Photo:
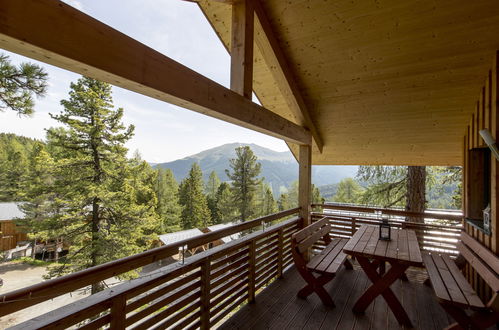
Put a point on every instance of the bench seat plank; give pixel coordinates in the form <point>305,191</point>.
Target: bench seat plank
<point>332,259</point>
<point>449,283</point>
<point>316,260</point>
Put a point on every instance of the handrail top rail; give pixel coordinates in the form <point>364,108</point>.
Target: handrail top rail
<point>456,227</point>
<point>67,283</point>
<point>432,215</point>
<point>131,285</point>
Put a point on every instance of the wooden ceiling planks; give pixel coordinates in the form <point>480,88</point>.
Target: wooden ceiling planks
<point>386,82</point>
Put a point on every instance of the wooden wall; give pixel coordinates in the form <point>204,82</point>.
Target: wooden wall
<point>485,116</point>
<point>9,235</point>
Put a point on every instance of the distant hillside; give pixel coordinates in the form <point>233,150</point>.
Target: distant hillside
<point>280,169</point>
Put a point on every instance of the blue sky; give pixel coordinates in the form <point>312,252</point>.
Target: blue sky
<point>163,132</point>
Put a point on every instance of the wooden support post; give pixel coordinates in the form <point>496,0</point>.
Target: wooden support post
<point>280,253</point>
<point>252,273</point>
<point>205,294</point>
<point>353,226</point>
<point>118,313</point>
<point>305,183</point>
<point>241,53</point>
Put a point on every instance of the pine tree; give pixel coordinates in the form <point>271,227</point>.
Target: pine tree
<point>349,191</point>
<point>211,190</point>
<point>283,202</point>
<point>168,208</point>
<point>195,213</point>
<point>19,84</point>
<point>102,210</point>
<point>244,175</point>
<point>225,206</point>
<point>265,202</point>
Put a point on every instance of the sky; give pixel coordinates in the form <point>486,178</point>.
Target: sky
<point>163,132</point>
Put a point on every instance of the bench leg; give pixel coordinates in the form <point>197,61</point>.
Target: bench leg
<point>348,264</point>
<point>479,320</point>
<point>316,285</point>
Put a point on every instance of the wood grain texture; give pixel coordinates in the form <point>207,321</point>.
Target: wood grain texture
<point>390,83</point>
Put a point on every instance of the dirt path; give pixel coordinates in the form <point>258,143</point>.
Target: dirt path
<point>16,276</point>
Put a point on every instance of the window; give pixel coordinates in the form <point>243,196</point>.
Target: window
<point>478,189</point>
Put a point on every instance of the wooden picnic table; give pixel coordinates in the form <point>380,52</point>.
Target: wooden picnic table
<point>401,252</point>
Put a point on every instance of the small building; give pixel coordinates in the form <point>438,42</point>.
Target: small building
<point>178,236</point>
<point>10,234</point>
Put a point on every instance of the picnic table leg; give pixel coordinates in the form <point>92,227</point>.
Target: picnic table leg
<point>381,285</point>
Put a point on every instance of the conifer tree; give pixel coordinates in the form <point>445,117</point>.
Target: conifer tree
<point>244,175</point>
<point>195,212</point>
<point>168,208</point>
<point>211,190</point>
<point>101,209</point>
<point>283,202</point>
<point>266,203</point>
<point>19,84</point>
<point>225,206</point>
<point>349,191</point>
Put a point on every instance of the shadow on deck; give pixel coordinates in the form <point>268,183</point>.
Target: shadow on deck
<point>277,307</point>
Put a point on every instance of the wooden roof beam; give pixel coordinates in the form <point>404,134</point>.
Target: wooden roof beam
<point>58,34</point>
<point>278,65</point>
<point>241,54</point>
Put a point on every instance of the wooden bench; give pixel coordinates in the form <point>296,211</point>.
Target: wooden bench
<point>454,292</point>
<point>325,264</point>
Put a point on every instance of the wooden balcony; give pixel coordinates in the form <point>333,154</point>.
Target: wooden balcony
<point>207,288</point>
<point>277,307</point>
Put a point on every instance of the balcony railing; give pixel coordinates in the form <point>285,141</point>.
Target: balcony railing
<point>201,291</point>
<point>439,230</point>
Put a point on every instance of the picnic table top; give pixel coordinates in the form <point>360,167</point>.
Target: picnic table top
<point>402,248</point>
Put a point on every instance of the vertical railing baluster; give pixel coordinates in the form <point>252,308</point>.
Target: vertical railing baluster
<point>205,293</point>
<point>118,312</point>
<point>252,272</point>
<point>353,226</point>
<point>280,253</point>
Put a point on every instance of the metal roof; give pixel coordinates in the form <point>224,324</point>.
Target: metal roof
<point>9,211</point>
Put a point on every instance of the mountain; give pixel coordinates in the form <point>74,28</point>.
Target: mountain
<point>279,169</point>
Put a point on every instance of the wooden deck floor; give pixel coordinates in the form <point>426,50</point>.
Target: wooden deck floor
<point>277,307</point>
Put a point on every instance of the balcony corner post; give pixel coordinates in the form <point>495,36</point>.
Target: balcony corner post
<point>205,294</point>
<point>305,183</point>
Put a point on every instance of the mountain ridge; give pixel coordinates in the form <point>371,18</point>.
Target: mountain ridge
<point>279,169</point>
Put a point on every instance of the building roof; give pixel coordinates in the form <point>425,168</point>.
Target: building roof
<point>190,233</point>
<point>179,235</point>
<point>225,239</point>
<point>10,211</point>
<point>385,83</point>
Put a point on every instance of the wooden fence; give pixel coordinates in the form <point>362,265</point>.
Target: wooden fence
<point>439,231</point>
<point>198,293</point>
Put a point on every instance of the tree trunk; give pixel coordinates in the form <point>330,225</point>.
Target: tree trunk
<point>416,191</point>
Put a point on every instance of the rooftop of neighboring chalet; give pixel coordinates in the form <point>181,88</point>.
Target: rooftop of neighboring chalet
<point>10,211</point>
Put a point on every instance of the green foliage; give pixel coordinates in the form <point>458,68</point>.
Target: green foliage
<point>195,212</point>
<point>168,207</point>
<point>386,186</point>
<point>290,199</point>
<point>265,202</point>
<point>349,191</point>
<point>211,190</point>
<point>101,203</point>
<point>283,202</point>
<point>19,84</point>
<point>226,212</point>
<point>14,165</point>
<point>244,171</point>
